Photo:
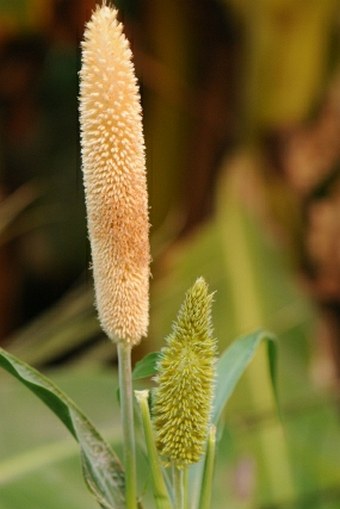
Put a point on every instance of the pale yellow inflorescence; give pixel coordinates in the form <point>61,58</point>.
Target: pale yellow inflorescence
<point>113,163</point>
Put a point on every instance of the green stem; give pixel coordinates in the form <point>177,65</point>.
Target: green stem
<point>186,488</point>
<point>178,486</point>
<point>159,488</point>
<point>206,490</point>
<point>178,483</point>
<point>126,402</point>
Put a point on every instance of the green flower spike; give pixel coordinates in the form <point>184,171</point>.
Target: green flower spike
<point>186,375</point>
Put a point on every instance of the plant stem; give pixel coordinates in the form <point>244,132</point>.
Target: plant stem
<point>159,488</point>
<point>126,402</point>
<point>206,490</point>
<point>185,488</point>
<point>178,486</point>
<point>178,483</point>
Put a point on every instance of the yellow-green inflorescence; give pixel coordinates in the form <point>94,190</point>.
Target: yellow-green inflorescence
<point>186,375</point>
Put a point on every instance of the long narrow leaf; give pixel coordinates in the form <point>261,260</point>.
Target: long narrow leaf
<point>230,367</point>
<point>102,470</point>
<point>234,362</point>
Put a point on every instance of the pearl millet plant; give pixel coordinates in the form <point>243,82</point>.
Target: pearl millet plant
<point>113,163</point>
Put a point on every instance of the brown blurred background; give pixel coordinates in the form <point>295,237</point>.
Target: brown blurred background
<point>216,78</point>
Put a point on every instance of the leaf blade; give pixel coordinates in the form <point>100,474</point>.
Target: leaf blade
<point>234,361</point>
<point>100,464</point>
<point>146,367</point>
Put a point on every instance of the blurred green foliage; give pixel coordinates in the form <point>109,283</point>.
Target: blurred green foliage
<point>224,84</point>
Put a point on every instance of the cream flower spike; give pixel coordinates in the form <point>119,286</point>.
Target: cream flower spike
<point>113,163</point>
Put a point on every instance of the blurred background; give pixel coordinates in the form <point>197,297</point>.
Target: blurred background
<point>241,107</point>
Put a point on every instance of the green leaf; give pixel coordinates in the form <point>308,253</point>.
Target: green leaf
<point>230,367</point>
<point>234,362</point>
<point>102,470</point>
<point>146,367</point>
